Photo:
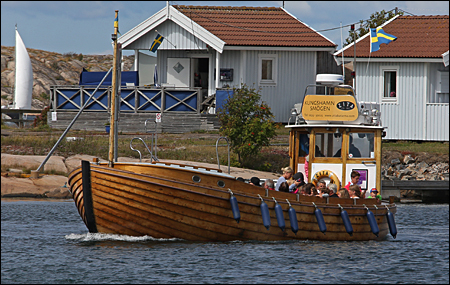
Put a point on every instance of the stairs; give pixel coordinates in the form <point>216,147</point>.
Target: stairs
<point>172,122</point>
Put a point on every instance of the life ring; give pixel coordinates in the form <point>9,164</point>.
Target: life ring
<point>326,173</point>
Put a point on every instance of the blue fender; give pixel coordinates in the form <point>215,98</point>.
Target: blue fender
<point>265,214</point>
<point>373,222</point>
<point>293,220</point>
<point>347,223</point>
<point>280,216</point>
<point>235,208</point>
<point>320,220</point>
<point>391,223</point>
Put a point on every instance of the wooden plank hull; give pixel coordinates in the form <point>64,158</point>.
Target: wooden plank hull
<point>165,201</point>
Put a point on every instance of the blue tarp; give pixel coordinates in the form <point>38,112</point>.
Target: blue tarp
<point>94,78</point>
<point>222,96</point>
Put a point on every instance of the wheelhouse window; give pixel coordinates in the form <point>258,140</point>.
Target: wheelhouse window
<point>328,144</point>
<point>267,69</point>
<point>361,145</point>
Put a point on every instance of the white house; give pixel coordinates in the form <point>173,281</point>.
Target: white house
<point>409,77</point>
<point>216,47</point>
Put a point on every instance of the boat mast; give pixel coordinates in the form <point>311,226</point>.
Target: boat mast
<point>112,137</point>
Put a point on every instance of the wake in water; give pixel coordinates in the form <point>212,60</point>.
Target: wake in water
<point>114,237</point>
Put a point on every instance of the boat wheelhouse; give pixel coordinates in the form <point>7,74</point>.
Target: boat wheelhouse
<point>333,134</point>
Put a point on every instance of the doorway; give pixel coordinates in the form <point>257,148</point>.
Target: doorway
<point>200,74</point>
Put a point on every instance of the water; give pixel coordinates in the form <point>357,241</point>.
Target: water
<point>47,242</point>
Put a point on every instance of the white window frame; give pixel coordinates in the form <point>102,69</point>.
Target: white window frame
<point>274,59</point>
<point>441,89</point>
<point>390,68</point>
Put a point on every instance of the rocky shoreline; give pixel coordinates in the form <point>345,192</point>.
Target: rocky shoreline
<point>15,184</point>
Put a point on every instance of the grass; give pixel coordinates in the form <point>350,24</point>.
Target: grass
<point>407,147</point>
<point>198,146</point>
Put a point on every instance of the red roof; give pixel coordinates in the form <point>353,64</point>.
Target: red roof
<point>254,26</point>
<point>417,36</point>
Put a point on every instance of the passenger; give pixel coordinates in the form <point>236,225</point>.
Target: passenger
<point>324,193</point>
<point>353,191</point>
<point>299,178</point>
<point>255,181</point>
<point>314,191</point>
<point>333,190</point>
<point>307,188</point>
<point>268,184</point>
<point>240,179</point>
<point>284,187</point>
<point>374,194</point>
<point>300,190</point>
<point>287,173</point>
<point>354,179</point>
<point>343,193</point>
<point>322,185</point>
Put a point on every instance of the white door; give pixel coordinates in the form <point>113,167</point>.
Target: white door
<point>178,71</point>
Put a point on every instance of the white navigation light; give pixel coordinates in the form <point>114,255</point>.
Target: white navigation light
<point>330,79</point>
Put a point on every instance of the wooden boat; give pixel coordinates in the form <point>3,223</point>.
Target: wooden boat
<point>166,200</point>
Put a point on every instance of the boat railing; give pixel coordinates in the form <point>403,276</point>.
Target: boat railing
<point>217,152</point>
<point>152,157</point>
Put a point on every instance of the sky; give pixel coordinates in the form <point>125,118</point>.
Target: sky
<point>86,26</point>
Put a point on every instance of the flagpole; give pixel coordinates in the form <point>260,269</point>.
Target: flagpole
<point>354,58</point>
<point>113,96</point>
<point>166,38</point>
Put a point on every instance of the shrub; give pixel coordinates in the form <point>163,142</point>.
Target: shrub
<point>247,122</point>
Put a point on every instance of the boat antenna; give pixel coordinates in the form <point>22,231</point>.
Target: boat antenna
<point>354,57</point>
<point>114,88</point>
<point>343,66</point>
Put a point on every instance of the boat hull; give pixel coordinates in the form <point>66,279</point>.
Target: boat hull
<point>166,201</point>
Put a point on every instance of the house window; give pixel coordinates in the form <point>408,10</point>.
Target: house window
<point>389,84</point>
<point>267,69</point>
<point>441,94</point>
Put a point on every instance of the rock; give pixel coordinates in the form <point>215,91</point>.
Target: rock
<point>395,161</point>
<point>408,159</point>
<point>55,163</point>
<point>51,68</point>
<point>13,186</point>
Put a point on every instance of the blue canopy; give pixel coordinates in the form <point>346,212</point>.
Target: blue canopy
<point>94,78</point>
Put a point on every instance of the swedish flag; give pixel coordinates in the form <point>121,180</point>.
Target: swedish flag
<point>116,24</point>
<point>378,37</point>
<point>158,40</point>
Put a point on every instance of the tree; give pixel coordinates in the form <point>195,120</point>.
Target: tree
<point>376,20</point>
<point>247,122</point>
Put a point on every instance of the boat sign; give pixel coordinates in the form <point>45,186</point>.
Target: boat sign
<point>330,108</point>
<point>158,117</point>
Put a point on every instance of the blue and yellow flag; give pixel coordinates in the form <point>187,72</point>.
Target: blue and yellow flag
<point>116,24</point>
<point>378,37</point>
<point>158,40</point>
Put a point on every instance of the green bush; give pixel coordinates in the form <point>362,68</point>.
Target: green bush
<point>247,122</point>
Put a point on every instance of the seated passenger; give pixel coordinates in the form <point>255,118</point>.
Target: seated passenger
<point>354,191</point>
<point>374,194</point>
<point>268,184</point>
<point>322,185</point>
<point>255,181</point>
<point>284,187</point>
<point>287,173</point>
<point>343,193</point>
<point>333,190</point>
<point>307,188</point>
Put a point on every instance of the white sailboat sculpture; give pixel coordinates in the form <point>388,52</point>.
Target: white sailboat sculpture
<point>23,76</point>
